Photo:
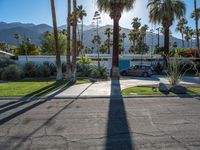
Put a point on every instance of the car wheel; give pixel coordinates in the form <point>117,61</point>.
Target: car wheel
<point>124,73</point>
<point>145,74</point>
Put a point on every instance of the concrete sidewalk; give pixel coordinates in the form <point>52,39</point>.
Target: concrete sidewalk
<point>103,88</point>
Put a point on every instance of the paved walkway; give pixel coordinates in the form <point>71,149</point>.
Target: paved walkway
<point>103,88</point>
<point>101,124</point>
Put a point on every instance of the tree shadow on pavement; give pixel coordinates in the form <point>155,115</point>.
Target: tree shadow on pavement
<point>118,133</point>
<point>33,97</point>
<point>48,121</point>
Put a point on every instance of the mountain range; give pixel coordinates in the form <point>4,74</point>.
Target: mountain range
<point>35,33</point>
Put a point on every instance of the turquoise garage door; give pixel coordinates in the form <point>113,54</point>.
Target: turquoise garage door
<point>124,64</point>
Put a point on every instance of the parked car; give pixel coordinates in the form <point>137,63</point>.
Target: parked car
<point>138,70</point>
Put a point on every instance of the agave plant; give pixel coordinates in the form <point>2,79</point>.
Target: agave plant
<point>176,71</point>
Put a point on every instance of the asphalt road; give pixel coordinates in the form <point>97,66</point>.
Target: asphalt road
<point>156,123</point>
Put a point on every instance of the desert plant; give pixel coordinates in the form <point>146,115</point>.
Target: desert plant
<point>85,60</point>
<point>84,70</point>
<point>12,72</point>
<point>4,62</point>
<point>30,69</point>
<point>176,71</point>
<point>44,71</point>
<point>64,67</point>
<point>197,68</point>
<point>83,67</point>
<point>158,68</point>
<point>1,71</point>
<point>51,66</point>
<point>99,72</point>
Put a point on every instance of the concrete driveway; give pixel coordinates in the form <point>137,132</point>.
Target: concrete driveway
<point>103,88</point>
<point>100,124</point>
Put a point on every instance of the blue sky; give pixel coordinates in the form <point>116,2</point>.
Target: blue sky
<point>38,11</point>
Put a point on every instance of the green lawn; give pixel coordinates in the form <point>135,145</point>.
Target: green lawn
<point>83,81</point>
<point>33,87</point>
<point>149,91</point>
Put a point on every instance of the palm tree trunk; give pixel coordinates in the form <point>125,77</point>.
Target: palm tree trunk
<point>191,43</point>
<point>68,69</point>
<point>74,51</point>
<point>115,55</point>
<point>197,25</point>
<point>58,59</point>
<point>166,47</point>
<point>82,32</point>
<point>108,44</point>
<point>183,43</point>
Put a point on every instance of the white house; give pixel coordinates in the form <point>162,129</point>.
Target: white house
<point>5,54</point>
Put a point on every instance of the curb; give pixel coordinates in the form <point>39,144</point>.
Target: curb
<point>100,97</point>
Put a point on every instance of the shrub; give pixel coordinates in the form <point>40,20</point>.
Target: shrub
<point>1,71</point>
<point>85,60</point>
<point>176,71</point>
<point>12,72</point>
<point>44,71</point>
<point>64,65</point>
<point>51,66</point>
<point>158,68</point>
<point>4,62</point>
<point>99,72</point>
<point>30,69</point>
<point>83,70</point>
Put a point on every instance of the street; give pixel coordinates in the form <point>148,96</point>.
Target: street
<point>170,123</point>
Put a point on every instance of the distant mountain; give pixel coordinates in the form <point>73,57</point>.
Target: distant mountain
<point>7,35</point>
<point>35,33</point>
<point>4,25</point>
<point>151,39</point>
<point>85,27</point>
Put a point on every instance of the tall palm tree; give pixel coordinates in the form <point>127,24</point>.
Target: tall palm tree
<point>74,39</point>
<point>143,31</point>
<point>196,15</point>
<point>123,36</point>
<point>188,34</point>
<point>68,57</point>
<point>97,41</point>
<point>58,59</point>
<point>165,12</point>
<point>108,33</point>
<point>81,13</point>
<point>180,27</point>
<point>17,37</point>
<point>115,9</point>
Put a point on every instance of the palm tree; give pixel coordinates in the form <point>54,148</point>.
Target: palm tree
<point>108,33</point>
<point>74,38</point>
<point>17,37</point>
<point>81,13</point>
<point>180,27</point>
<point>196,15</point>
<point>123,36</point>
<point>115,9</point>
<point>58,60</point>
<point>143,31</point>
<point>68,66</point>
<point>165,12</point>
<point>97,41</point>
<point>188,31</point>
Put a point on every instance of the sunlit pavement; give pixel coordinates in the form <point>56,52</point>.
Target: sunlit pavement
<point>101,124</point>
<point>103,88</point>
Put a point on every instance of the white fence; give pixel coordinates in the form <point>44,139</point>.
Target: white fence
<point>106,59</point>
<point>52,59</point>
<point>39,59</point>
